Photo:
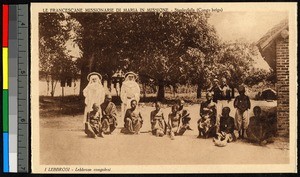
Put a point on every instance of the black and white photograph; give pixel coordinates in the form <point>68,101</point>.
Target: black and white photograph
<point>147,88</point>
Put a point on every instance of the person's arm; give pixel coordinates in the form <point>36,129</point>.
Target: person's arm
<point>163,121</point>
<point>201,110</point>
<point>151,117</point>
<point>113,112</point>
<point>179,124</point>
<point>248,103</point>
<point>127,115</point>
<point>214,110</point>
<point>99,116</point>
<point>231,126</point>
<point>170,122</point>
<point>235,102</point>
<point>140,115</point>
<point>88,117</point>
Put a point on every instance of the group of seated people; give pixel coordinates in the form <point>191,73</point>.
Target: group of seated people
<point>178,121</point>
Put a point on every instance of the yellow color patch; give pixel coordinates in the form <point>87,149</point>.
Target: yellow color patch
<point>5,67</point>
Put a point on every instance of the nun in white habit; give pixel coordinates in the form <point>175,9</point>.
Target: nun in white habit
<point>94,92</point>
<point>130,90</point>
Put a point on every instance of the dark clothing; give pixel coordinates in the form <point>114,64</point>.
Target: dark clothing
<point>185,116</point>
<point>207,121</point>
<point>217,93</point>
<point>209,110</point>
<point>258,130</point>
<point>109,117</point>
<point>132,122</point>
<point>227,124</point>
<point>242,102</point>
<point>174,124</point>
<point>93,124</point>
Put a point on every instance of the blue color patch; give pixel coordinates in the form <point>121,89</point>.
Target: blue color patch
<point>5,153</point>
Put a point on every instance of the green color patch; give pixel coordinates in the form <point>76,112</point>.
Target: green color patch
<point>5,110</point>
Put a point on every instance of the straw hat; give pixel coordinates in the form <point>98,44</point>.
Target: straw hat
<point>93,73</point>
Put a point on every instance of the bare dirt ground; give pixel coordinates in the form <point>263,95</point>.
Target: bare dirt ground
<point>63,142</point>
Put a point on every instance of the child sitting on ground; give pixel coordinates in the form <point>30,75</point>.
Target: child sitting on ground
<point>226,129</point>
<point>207,121</point>
<point>175,123</point>
<point>157,121</point>
<point>258,130</point>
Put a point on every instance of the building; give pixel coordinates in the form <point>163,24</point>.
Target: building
<point>274,47</point>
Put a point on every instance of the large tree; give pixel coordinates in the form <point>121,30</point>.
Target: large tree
<point>55,62</point>
<point>153,44</point>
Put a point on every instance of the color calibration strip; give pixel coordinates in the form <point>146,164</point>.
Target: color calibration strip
<point>13,85</point>
<point>15,88</point>
<point>5,11</point>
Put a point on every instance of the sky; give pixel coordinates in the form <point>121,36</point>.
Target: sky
<point>250,26</point>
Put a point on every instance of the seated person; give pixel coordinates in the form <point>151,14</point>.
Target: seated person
<point>207,121</point>
<point>93,124</point>
<point>226,129</point>
<point>109,115</point>
<point>157,120</point>
<point>185,115</point>
<point>175,123</point>
<point>258,131</point>
<point>133,120</point>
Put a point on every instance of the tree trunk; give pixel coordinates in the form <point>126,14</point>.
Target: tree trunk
<point>109,83</point>
<point>52,88</point>
<point>174,90</point>
<point>232,92</point>
<point>62,92</point>
<point>199,90</point>
<point>161,91</point>
<point>144,90</point>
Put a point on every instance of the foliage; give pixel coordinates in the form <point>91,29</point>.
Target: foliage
<point>55,62</point>
<point>165,49</point>
<point>159,46</point>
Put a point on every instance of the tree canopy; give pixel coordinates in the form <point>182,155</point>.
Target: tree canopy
<point>168,48</point>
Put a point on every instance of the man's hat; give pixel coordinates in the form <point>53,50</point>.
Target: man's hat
<point>93,73</point>
<point>131,73</point>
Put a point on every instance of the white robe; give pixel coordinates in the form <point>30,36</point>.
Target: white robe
<point>94,93</point>
<point>130,90</point>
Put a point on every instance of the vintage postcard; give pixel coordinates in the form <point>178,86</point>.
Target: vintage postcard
<point>164,87</point>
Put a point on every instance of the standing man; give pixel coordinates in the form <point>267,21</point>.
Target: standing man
<point>130,90</point>
<point>109,115</point>
<point>216,90</point>
<point>93,92</point>
<point>226,90</point>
